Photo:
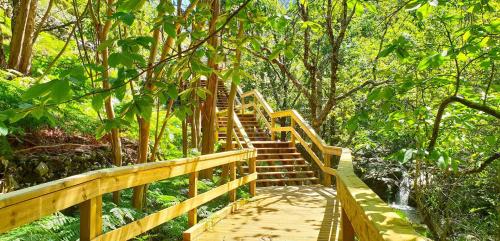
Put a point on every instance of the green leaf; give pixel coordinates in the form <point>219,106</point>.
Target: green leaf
<point>38,112</point>
<point>201,93</point>
<point>275,54</point>
<point>169,28</point>
<point>97,102</point>
<point>172,92</point>
<point>60,90</point>
<point>129,5</point>
<point>126,18</point>
<point>408,155</point>
<point>3,129</point>
<point>106,44</point>
<point>236,76</point>
<point>144,106</point>
<point>200,68</point>
<point>389,49</point>
<point>38,90</point>
<point>431,61</point>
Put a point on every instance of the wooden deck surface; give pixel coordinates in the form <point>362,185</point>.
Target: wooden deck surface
<point>282,214</point>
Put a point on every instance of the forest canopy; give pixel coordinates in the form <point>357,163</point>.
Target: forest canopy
<point>411,86</point>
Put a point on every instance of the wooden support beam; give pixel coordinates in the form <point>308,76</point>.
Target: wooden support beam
<point>193,191</point>
<point>91,218</point>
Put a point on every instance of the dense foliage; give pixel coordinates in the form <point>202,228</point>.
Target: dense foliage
<point>411,86</point>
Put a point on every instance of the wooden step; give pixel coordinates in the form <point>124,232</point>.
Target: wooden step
<point>297,179</point>
<point>276,150</point>
<point>301,160</point>
<point>286,173</point>
<point>277,156</point>
<point>280,166</point>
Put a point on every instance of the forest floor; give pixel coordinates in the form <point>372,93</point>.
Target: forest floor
<point>49,154</point>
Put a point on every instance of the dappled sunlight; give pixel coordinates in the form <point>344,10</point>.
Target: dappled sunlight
<point>282,213</point>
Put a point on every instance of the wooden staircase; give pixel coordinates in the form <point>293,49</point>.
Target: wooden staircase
<point>278,163</point>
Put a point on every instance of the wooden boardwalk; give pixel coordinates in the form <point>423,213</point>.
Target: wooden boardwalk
<point>282,214</point>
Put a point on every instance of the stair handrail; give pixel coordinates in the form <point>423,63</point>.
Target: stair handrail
<point>364,213</point>
<point>258,100</point>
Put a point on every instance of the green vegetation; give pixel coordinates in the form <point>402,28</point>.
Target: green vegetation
<point>410,86</point>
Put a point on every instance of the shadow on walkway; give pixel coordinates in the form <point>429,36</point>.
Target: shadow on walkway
<point>282,214</point>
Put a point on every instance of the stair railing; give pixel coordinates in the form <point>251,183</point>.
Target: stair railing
<point>364,214</point>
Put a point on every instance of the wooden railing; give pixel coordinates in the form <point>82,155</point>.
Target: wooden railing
<point>27,205</point>
<point>364,214</point>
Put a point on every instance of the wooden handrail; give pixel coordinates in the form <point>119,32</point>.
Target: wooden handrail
<point>364,214</point>
<point>26,205</point>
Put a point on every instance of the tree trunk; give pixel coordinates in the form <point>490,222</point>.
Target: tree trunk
<point>27,47</point>
<point>20,14</point>
<point>208,115</point>
<point>115,141</point>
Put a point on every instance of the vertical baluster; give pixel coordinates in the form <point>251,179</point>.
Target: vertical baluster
<point>252,169</point>
<point>193,191</point>
<point>91,218</point>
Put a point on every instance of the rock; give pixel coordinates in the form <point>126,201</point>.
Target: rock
<point>42,169</point>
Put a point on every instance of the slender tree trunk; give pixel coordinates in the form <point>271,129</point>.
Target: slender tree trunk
<point>145,125</point>
<point>115,141</point>
<point>2,52</point>
<point>208,118</point>
<point>184,138</point>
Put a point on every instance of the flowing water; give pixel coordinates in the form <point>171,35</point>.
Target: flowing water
<point>402,197</point>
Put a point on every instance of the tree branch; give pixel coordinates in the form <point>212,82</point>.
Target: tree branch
<point>435,131</point>
<point>483,165</point>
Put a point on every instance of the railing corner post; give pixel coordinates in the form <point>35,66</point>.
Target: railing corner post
<point>91,218</point>
<point>292,136</point>
<point>193,191</point>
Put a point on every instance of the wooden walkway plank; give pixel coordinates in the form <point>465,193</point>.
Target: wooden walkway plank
<point>280,213</point>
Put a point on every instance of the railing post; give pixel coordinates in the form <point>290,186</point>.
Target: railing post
<point>91,218</point>
<point>347,231</point>
<point>292,137</point>
<point>232,177</point>
<point>193,191</point>
<point>273,124</point>
<point>327,178</point>
<point>252,168</point>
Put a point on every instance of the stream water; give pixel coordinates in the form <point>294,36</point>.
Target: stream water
<point>402,197</point>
